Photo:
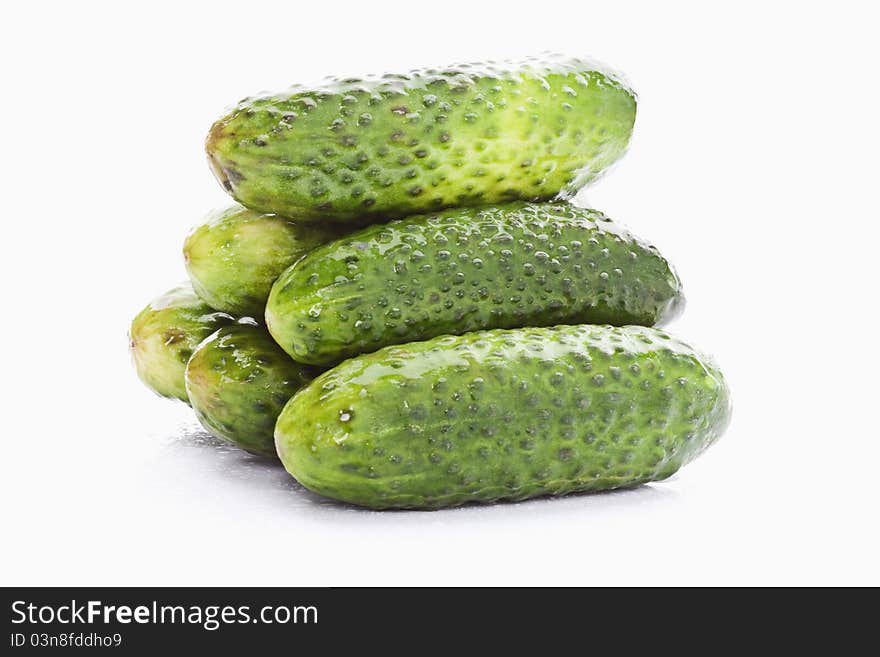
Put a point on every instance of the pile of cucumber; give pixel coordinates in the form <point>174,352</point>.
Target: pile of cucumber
<point>408,312</point>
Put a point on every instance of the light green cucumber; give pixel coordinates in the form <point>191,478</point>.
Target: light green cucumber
<point>238,380</point>
<point>388,146</point>
<point>164,335</point>
<point>236,254</point>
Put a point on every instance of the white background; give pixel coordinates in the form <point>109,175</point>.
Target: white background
<point>754,167</point>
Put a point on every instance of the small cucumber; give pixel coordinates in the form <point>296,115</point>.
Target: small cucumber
<point>164,335</point>
<point>238,380</point>
<point>505,266</point>
<point>503,415</point>
<point>236,254</point>
<point>395,145</point>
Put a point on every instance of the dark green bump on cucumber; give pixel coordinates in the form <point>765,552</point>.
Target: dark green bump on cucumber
<point>459,270</point>
<point>396,145</point>
<point>164,335</point>
<point>503,415</point>
<point>236,254</point>
<point>238,380</point>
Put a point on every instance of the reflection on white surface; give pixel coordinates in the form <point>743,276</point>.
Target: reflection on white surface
<point>191,458</point>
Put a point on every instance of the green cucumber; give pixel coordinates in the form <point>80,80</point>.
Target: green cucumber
<point>238,380</point>
<point>164,335</point>
<point>460,270</point>
<point>236,254</point>
<point>503,415</point>
<point>395,145</point>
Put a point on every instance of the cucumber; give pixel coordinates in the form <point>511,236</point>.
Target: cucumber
<point>236,254</point>
<point>395,145</point>
<point>503,415</point>
<point>506,266</point>
<point>164,335</point>
<point>238,380</point>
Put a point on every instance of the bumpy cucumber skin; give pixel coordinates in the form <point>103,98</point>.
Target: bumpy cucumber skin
<point>164,335</point>
<point>397,145</point>
<point>234,256</point>
<point>506,266</point>
<point>238,380</point>
<point>503,415</point>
